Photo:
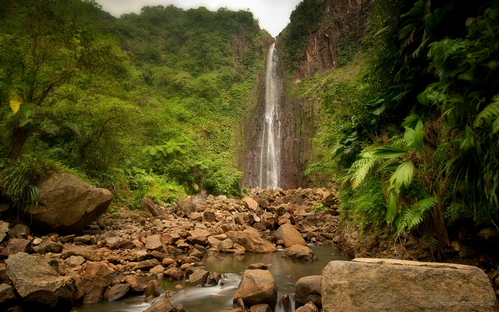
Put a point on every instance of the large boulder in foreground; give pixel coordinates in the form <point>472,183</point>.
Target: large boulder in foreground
<point>67,204</point>
<point>251,242</point>
<point>39,284</point>
<point>396,285</point>
<point>257,286</point>
<point>290,235</point>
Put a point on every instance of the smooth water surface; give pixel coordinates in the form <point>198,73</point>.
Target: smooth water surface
<point>286,273</point>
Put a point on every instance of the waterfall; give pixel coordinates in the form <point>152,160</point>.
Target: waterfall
<point>270,146</point>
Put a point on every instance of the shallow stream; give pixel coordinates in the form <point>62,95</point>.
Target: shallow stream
<point>286,273</point>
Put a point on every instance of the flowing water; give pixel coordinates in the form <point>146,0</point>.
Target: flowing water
<point>270,148</point>
<point>286,273</point>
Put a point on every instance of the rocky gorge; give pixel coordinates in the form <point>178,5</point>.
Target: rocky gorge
<point>128,252</point>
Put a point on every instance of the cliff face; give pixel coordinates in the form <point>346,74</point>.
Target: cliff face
<point>336,39</point>
<point>329,47</point>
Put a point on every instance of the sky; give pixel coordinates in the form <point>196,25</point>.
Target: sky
<point>272,14</point>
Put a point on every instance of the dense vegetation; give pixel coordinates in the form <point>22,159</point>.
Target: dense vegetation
<point>145,105</point>
<point>414,136</point>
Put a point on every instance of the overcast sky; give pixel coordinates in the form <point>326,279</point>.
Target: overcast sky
<point>272,14</point>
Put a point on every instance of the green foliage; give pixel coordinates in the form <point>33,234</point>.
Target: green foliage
<point>435,62</point>
<point>364,205</point>
<point>16,182</point>
<point>160,92</point>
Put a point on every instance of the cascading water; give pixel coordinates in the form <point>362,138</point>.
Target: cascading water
<point>270,148</point>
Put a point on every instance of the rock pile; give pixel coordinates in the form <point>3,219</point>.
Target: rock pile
<point>113,256</point>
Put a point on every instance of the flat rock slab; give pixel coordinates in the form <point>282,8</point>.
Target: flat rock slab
<point>396,285</point>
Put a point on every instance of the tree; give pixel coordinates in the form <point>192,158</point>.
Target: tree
<point>45,44</point>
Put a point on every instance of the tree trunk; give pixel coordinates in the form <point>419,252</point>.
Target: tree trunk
<point>17,140</point>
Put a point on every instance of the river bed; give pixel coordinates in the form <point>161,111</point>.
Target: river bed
<point>286,273</point>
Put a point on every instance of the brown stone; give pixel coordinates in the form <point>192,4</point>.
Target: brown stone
<point>383,284</point>
<point>263,307</point>
<point>162,305</point>
<point>51,246</point>
<point>252,204</point>
<point>137,284</point>
<point>116,292</point>
<point>167,261</point>
<point>146,264</point>
<point>251,242</point>
<point>85,252</point>
<point>225,245</point>
<point>175,273</point>
<point>38,283</point>
<point>97,278</point>
<point>199,277</point>
<point>290,235</point>
<point>153,289</point>
<point>308,289</point>
<point>152,208</point>
<point>299,252</point>
<point>153,242</point>
<point>209,216</point>
<point>256,287</point>
<point>67,204</point>
<point>16,245</point>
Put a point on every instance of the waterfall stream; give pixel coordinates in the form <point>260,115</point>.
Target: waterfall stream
<point>270,148</point>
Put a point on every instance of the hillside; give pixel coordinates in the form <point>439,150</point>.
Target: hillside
<point>146,104</point>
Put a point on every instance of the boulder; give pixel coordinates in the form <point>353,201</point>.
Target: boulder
<point>263,307</point>
<point>7,295</point>
<point>329,199</point>
<point>152,208</point>
<point>252,204</point>
<point>4,228</point>
<point>199,277</point>
<point>308,307</point>
<point>82,251</point>
<point>251,242</point>
<point>16,245</point>
<point>256,287</point>
<point>162,305</point>
<point>116,292</point>
<point>146,264</point>
<point>153,242</point>
<point>51,246</point>
<point>299,252</point>
<point>209,216</point>
<point>395,285</point>
<point>307,289</point>
<point>289,235</point>
<point>225,245</point>
<point>153,289</point>
<point>96,280</point>
<point>174,273</point>
<point>67,204</point>
<point>19,231</point>
<point>38,283</point>
<point>137,284</point>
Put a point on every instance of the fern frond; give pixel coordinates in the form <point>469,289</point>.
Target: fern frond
<point>490,111</point>
<point>361,168</point>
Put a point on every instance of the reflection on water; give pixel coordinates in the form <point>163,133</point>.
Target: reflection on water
<point>285,271</point>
